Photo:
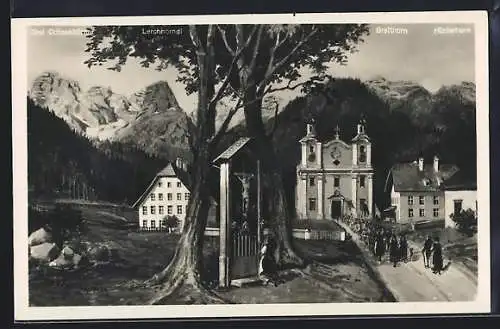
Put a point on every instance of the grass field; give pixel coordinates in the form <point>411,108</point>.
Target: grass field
<point>344,277</point>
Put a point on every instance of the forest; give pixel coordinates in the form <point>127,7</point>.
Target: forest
<point>64,164</point>
<point>62,160</point>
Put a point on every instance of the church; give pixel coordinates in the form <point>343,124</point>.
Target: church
<point>334,179</point>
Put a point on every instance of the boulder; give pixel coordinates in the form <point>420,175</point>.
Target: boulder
<point>44,252</point>
<point>39,236</point>
<point>66,262</point>
<point>68,253</point>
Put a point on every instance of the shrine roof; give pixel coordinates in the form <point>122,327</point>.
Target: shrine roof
<point>232,150</point>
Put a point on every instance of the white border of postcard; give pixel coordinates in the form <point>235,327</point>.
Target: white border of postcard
<point>20,84</point>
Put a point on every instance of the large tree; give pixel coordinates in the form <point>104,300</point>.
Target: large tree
<point>243,62</point>
<point>193,54</point>
<point>282,57</point>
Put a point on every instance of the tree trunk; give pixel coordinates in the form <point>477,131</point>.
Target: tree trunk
<point>182,278</point>
<point>275,210</point>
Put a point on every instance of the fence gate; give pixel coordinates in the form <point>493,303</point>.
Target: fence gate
<point>245,256</point>
<point>240,213</point>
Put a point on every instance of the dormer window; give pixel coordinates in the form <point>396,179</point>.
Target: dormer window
<point>362,153</point>
<point>311,148</point>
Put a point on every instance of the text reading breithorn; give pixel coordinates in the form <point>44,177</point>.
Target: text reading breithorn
<point>391,30</point>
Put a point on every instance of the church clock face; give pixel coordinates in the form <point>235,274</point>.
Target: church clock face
<point>335,153</point>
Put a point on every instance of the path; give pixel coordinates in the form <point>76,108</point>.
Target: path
<point>411,282</point>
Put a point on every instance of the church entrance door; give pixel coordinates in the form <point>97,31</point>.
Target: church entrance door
<point>336,208</point>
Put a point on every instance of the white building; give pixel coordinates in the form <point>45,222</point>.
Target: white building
<point>167,195</point>
<point>459,194</point>
<point>335,178</point>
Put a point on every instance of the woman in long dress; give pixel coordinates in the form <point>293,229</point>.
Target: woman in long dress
<point>437,257</point>
<point>267,263</point>
<point>403,246</point>
<point>394,250</point>
<point>379,246</point>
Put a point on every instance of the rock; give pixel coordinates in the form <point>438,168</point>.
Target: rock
<point>45,252</point>
<point>66,262</point>
<point>67,252</point>
<point>39,236</point>
<point>100,254</point>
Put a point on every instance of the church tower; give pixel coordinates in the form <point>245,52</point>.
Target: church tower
<point>362,178</point>
<point>309,191</point>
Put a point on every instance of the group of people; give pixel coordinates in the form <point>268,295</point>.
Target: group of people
<point>432,248</point>
<point>383,241</point>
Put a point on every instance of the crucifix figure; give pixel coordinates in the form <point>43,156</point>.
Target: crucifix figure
<point>245,191</point>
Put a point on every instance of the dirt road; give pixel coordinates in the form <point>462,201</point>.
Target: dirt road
<point>411,282</point>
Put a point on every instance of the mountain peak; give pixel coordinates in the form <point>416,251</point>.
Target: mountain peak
<point>157,97</point>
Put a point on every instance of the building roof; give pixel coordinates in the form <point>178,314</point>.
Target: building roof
<point>408,177</point>
<point>460,182</point>
<point>232,150</point>
<point>170,170</point>
<point>361,137</point>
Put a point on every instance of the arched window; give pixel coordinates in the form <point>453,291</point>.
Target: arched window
<point>362,153</point>
<point>312,154</point>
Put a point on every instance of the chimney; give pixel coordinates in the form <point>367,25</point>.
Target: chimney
<point>420,163</point>
<point>436,163</point>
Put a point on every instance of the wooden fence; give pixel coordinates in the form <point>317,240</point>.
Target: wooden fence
<point>337,235</point>
<point>245,245</point>
<point>157,229</point>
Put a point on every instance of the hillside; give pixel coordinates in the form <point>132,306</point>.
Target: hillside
<point>101,114</point>
<point>403,120</point>
<point>63,163</point>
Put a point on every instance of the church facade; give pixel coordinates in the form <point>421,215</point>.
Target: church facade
<point>334,179</point>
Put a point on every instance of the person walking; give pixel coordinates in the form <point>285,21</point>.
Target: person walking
<point>403,247</point>
<point>379,246</point>
<point>427,251</point>
<point>388,235</point>
<point>394,250</point>
<point>437,257</point>
<point>371,241</point>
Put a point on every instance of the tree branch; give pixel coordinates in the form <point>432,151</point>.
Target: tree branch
<point>280,63</point>
<point>223,128</point>
<point>275,123</point>
<point>237,56</point>
<point>195,38</point>
<point>287,87</point>
<point>226,43</point>
<point>272,52</point>
<point>256,48</point>
<point>210,36</point>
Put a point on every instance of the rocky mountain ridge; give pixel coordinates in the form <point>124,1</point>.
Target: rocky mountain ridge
<point>149,117</point>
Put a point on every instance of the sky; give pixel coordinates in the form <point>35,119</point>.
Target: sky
<point>428,54</point>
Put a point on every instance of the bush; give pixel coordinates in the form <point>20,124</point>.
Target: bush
<point>171,221</point>
<point>65,223</point>
<point>36,220</point>
<point>465,221</point>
